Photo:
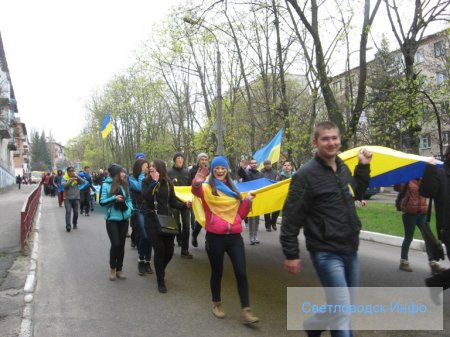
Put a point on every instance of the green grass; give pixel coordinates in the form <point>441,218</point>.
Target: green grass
<point>384,218</point>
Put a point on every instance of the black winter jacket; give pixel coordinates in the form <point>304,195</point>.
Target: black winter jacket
<point>322,202</point>
<point>269,174</point>
<point>180,176</point>
<point>436,184</point>
<point>165,198</point>
<point>249,175</point>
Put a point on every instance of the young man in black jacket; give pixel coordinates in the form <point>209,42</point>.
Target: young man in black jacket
<point>181,176</point>
<point>436,185</point>
<point>321,200</point>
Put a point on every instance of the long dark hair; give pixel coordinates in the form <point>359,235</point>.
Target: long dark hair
<point>116,183</point>
<point>137,168</point>
<point>162,170</point>
<point>228,181</point>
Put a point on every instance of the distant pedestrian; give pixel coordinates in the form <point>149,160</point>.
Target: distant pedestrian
<point>224,211</point>
<point>414,209</point>
<point>158,192</point>
<point>57,182</point>
<point>70,183</point>
<point>85,193</point>
<point>117,205</point>
<point>270,219</point>
<point>249,174</point>
<point>19,180</point>
<point>202,161</point>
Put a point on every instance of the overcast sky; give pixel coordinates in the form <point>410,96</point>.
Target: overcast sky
<point>59,52</point>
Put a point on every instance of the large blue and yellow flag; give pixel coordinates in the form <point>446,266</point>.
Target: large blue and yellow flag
<point>106,126</point>
<point>269,197</point>
<point>269,152</point>
<point>388,167</point>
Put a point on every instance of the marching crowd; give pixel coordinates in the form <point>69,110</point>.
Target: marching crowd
<point>321,199</point>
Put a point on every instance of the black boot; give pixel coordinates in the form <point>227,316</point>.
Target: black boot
<point>162,287</point>
<point>141,267</point>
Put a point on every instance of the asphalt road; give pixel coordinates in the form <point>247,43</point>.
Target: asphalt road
<point>75,298</point>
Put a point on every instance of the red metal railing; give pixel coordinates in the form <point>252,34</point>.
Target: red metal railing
<point>27,214</point>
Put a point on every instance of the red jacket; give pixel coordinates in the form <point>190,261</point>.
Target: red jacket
<point>214,223</point>
<point>413,202</point>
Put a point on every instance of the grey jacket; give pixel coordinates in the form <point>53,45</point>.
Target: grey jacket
<point>71,191</point>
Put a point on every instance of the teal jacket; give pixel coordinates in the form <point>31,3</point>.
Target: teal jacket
<point>107,201</point>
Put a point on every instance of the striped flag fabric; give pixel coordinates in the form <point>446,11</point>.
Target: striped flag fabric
<point>269,152</point>
<point>106,126</point>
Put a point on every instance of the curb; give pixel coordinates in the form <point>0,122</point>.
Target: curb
<point>26,327</point>
<point>391,240</point>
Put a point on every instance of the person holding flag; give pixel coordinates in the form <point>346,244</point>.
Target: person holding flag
<point>224,210</point>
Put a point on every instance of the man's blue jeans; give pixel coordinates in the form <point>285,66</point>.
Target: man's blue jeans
<point>335,270</point>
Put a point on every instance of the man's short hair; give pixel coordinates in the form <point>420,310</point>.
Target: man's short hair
<point>86,167</point>
<point>326,125</point>
<point>267,162</point>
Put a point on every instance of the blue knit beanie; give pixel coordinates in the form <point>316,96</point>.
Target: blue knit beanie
<point>140,155</point>
<point>219,161</point>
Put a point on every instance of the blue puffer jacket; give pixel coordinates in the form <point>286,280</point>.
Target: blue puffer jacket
<point>107,201</point>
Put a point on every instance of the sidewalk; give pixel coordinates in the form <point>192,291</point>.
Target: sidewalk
<point>13,266</point>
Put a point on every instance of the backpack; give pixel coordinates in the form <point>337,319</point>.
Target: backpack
<point>400,196</point>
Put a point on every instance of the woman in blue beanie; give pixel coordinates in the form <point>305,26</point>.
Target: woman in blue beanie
<point>224,211</point>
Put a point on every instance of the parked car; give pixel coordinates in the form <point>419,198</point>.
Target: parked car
<point>371,191</point>
<point>36,176</point>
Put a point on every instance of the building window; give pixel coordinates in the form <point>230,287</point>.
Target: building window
<point>445,137</point>
<point>439,49</point>
<point>425,141</point>
<point>420,56</point>
<point>337,86</point>
<point>440,77</point>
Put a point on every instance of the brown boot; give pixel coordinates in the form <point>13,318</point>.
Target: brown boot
<point>217,310</point>
<point>404,265</point>
<point>121,275</point>
<point>248,316</point>
<point>436,268</point>
<point>112,274</point>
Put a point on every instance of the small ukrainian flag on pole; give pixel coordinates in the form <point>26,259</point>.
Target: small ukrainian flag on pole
<point>269,152</point>
<point>106,126</point>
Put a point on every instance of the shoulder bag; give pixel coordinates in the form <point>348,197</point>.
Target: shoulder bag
<point>166,223</point>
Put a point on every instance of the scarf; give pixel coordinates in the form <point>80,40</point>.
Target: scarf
<point>66,177</point>
<point>223,205</point>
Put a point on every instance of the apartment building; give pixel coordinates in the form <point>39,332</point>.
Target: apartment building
<point>432,65</point>
<point>8,107</point>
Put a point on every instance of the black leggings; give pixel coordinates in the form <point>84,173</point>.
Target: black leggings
<point>163,246</point>
<point>233,245</point>
<point>117,232</point>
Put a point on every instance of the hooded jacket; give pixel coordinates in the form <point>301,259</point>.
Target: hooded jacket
<point>111,208</point>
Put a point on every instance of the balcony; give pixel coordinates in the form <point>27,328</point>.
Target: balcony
<point>16,153</point>
<point>12,146</point>
<point>5,131</point>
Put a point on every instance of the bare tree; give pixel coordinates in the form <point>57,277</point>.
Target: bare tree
<point>334,110</point>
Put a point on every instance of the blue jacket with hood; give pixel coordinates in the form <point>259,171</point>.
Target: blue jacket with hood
<point>107,201</point>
